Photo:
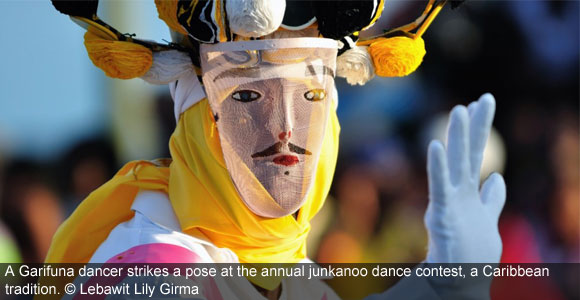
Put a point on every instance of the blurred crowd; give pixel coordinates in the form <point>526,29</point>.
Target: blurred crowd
<point>526,53</point>
<point>380,189</point>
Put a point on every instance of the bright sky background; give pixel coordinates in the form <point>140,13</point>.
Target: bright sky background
<point>50,93</point>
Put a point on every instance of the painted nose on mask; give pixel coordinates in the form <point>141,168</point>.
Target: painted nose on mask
<point>285,136</point>
<point>284,116</point>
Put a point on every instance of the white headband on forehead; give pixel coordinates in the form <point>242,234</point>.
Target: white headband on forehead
<point>314,69</point>
<point>187,90</point>
<point>306,42</point>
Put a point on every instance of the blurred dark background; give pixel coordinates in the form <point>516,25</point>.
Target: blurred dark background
<point>526,53</point>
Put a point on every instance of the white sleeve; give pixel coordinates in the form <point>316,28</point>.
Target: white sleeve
<point>155,223</point>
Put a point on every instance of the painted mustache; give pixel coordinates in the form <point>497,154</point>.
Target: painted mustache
<point>276,149</point>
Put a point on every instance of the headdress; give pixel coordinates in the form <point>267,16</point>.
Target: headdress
<point>396,52</point>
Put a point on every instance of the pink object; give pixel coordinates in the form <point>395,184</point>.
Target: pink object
<point>157,253</point>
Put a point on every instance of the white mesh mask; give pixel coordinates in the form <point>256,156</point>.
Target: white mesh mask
<point>271,100</point>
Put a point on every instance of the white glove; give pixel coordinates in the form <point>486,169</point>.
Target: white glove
<point>462,220</point>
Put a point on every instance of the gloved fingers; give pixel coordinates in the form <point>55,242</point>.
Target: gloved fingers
<point>493,194</point>
<point>480,121</point>
<point>438,173</point>
<point>458,144</point>
<point>471,108</point>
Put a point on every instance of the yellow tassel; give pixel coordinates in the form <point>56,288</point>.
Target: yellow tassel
<point>167,10</point>
<point>397,56</point>
<point>124,60</point>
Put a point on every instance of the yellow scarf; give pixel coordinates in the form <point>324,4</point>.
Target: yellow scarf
<point>203,196</point>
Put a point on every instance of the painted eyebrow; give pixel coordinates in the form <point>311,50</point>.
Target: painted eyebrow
<point>315,70</point>
<point>254,72</point>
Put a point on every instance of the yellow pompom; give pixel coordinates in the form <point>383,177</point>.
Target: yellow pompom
<point>397,56</point>
<point>124,60</point>
<point>167,10</point>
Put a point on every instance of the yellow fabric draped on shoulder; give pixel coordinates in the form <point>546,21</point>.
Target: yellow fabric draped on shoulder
<point>203,197</point>
<point>81,234</point>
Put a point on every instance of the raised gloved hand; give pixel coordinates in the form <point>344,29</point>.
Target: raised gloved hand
<point>461,219</point>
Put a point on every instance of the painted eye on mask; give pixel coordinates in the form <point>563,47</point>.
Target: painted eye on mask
<point>246,96</point>
<point>315,95</point>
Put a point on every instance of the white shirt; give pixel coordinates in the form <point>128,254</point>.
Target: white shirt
<point>155,223</point>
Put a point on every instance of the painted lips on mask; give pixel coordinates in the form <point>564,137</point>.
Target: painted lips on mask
<point>284,159</point>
